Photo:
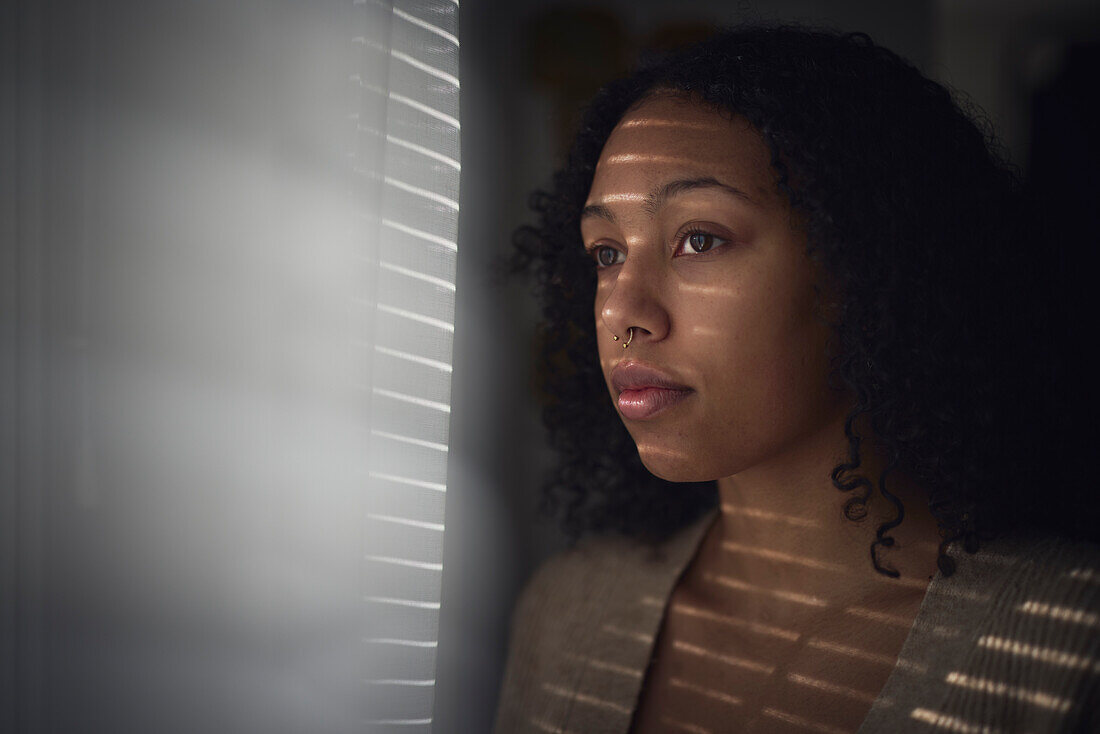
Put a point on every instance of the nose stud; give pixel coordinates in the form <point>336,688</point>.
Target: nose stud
<point>630,337</point>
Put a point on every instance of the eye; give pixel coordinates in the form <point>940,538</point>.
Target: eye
<point>698,241</point>
<point>606,256</point>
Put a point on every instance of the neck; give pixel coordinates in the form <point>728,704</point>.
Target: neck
<point>787,506</point>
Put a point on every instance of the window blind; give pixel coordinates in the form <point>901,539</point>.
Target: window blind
<point>229,280</point>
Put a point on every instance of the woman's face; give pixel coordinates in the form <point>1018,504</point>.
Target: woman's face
<point>698,251</point>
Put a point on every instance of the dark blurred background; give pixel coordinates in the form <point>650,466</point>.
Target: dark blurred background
<point>1031,66</point>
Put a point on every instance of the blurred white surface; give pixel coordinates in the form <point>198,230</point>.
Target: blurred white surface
<point>200,343</point>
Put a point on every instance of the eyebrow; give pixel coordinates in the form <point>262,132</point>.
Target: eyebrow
<point>656,198</point>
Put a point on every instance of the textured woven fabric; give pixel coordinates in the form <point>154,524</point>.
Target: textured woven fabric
<point>1010,643</point>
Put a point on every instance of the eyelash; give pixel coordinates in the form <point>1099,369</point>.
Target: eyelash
<point>681,242</point>
<point>695,229</point>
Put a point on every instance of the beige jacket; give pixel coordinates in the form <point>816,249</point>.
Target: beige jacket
<point>1010,643</point>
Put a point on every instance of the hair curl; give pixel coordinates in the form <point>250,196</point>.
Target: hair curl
<point>914,215</point>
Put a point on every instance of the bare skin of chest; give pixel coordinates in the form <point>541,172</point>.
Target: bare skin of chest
<point>757,641</point>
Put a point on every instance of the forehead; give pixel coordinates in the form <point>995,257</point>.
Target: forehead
<point>668,138</point>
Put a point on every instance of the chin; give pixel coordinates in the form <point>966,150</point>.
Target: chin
<point>676,468</point>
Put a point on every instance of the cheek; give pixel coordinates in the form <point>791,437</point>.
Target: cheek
<point>607,357</point>
<point>770,377</point>
<point>763,382</point>
<point>604,342</point>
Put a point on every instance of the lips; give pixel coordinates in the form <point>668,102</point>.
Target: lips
<point>644,391</point>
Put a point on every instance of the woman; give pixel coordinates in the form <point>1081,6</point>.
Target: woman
<point>785,298</point>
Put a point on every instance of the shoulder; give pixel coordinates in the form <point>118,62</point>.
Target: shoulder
<point>1045,595</point>
<point>556,618</point>
<point>1047,579</point>
<point>599,571</point>
<point>570,577</point>
<point>588,611</point>
<point>1011,641</point>
<point>1035,650</point>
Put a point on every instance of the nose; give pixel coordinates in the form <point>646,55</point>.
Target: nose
<point>634,300</point>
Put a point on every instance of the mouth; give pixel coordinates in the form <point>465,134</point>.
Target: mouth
<point>645,391</point>
<point>641,404</point>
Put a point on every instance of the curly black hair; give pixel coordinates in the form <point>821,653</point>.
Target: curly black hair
<point>909,205</point>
